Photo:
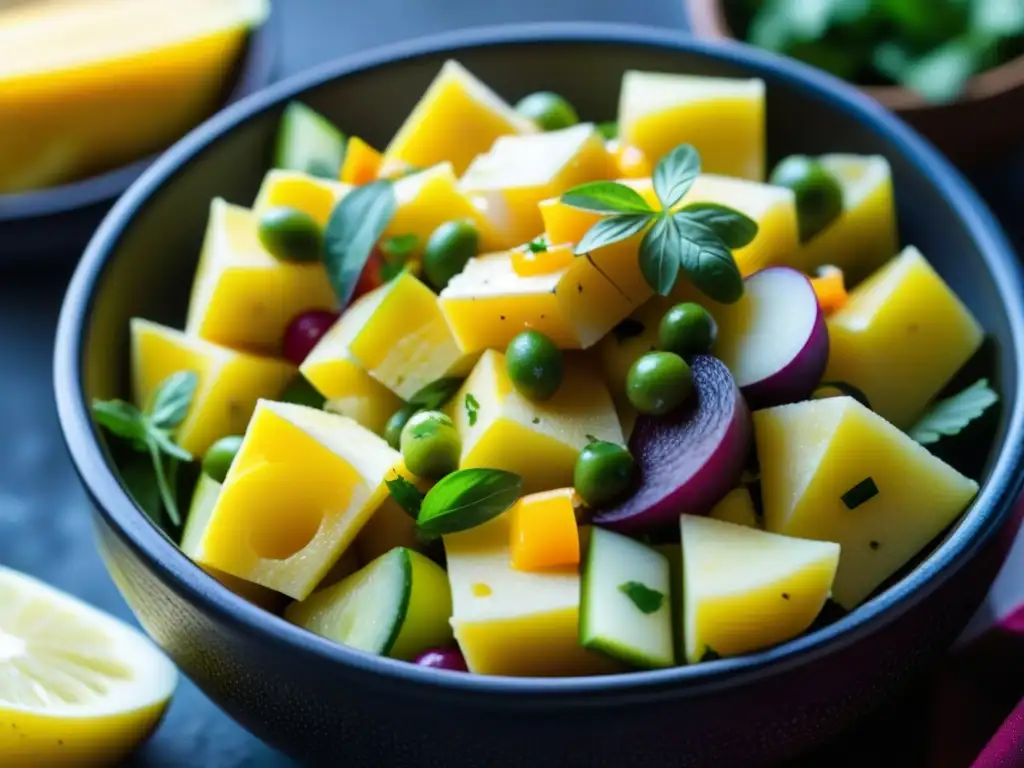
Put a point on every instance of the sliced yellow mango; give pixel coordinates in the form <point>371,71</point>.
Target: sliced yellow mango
<point>833,470</point>
<point>241,295</point>
<point>230,382</point>
<point>736,507</point>
<point>404,342</point>
<point>722,117</point>
<point>300,489</point>
<point>745,589</point>
<point>520,171</point>
<point>901,337</point>
<point>538,440</point>
<point>86,86</point>
<point>864,236</point>
<point>489,303</point>
<point>340,377</point>
<point>457,118</point>
<point>293,189</point>
<point>510,622</point>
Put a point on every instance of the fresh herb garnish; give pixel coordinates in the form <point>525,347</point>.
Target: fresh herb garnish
<point>647,600</point>
<point>697,239</point>
<point>152,432</point>
<point>435,394</point>
<point>628,329</point>
<point>406,495</point>
<point>862,492</point>
<point>355,226</point>
<point>948,417</point>
<point>842,388</point>
<point>609,130</point>
<point>472,408</point>
<point>467,498</point>
<point>538,245</point>
<point>710,654</point>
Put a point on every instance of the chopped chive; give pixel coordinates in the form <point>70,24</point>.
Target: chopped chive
<point>862,492</point>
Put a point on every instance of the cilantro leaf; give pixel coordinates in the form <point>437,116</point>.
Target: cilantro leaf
<point>950,416</point>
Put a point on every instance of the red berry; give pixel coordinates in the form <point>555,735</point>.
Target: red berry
<point>450,659</point>
<point>304,331</point>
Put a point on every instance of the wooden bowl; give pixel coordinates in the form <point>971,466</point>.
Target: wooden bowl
<point>986,122</point>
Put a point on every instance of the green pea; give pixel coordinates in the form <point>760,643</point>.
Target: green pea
<point>819,195</point>
<point>431,446</point>
<point>548,110</point>
<point>448,249</point>
<point>290,234</point>
<point>393,429</point>
<point>687,329</point>
<point>658,383</point>
<point>603,473</point>
<point>535,364</point>
<point>218,457</point>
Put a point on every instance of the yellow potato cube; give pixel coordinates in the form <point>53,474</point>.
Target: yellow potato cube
<point>405,342</point>
<point>864,236</point>
<point>489,303</point>
<point>293,189</point>
<point>510,622</point>
<point>901,337</point>
<point>340,377</point>
<point>745,589</point>
<point>300,489</point>
<point>722,117</point>
<point>520,171</point>
<point>833,470</point>
<point>230,382</point>
<point>457,118</point>
<point>538,440</point>
<point>737,507</point>
<point>244,297</point>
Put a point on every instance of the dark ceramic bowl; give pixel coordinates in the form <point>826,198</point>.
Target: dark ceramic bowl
<point>324,703</point>
<point>56,223</point>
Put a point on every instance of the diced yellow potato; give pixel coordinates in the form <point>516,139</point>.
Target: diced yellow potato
<point>300,489</point>
<point>457,118</point>
<point>428,199</point>
<point>510,622</point>
<point>864,237</point>
<point>294,189</point>
<point>833,470</point>
<point>722,117</point>
<point>405,342</point>
<point>390,526</point>
<point>230,382</point>
<point>489,303</point>
<point>538,440</point>
<point>520,171</point>
<point>736,507</point>
<point>244,297</point>
<point>901,337</point>
<point>340,377</point>
<point>745,589</point>
<point>772,208</point>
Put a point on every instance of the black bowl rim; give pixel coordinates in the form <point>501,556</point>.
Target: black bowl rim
<point>256,71</point>
<point>991,509</point>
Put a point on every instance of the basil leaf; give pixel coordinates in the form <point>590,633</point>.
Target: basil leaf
<point>467,498</point>
<point>612,229</point>
<point>675,173</point>
<point>609,130</point>
<point>606,197</point>
<point>168,491</point>
<point>168,446</point>
<point>120,418</point>
<point>173,399</point>
<point>1002,18</point>
<point>138,477</point>
<point>736,229</point>
<point>436,393</point>
<point>356,224</point>
<point>708,262</point>
<point>950,416</point>
<point>646,600</point>
<point>406,495</point>
<point>659,255</point>
<point>940,75</point>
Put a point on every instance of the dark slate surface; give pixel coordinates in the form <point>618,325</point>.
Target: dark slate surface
<point>44,527</point>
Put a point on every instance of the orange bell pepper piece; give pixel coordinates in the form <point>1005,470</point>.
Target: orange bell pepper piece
<point>361,164</point>
<point>543,531</point>
<point>830,288</point>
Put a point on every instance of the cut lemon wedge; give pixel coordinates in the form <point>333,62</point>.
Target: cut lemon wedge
<point>77,687</point>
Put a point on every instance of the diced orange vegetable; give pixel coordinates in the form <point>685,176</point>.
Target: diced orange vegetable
<point>829,287</point>
<point>526,262</point>
<point>362,162</point>
<point>629,162</point>
<point>543,532</point>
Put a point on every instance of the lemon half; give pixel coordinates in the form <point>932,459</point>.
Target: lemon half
<point>77,686</point>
